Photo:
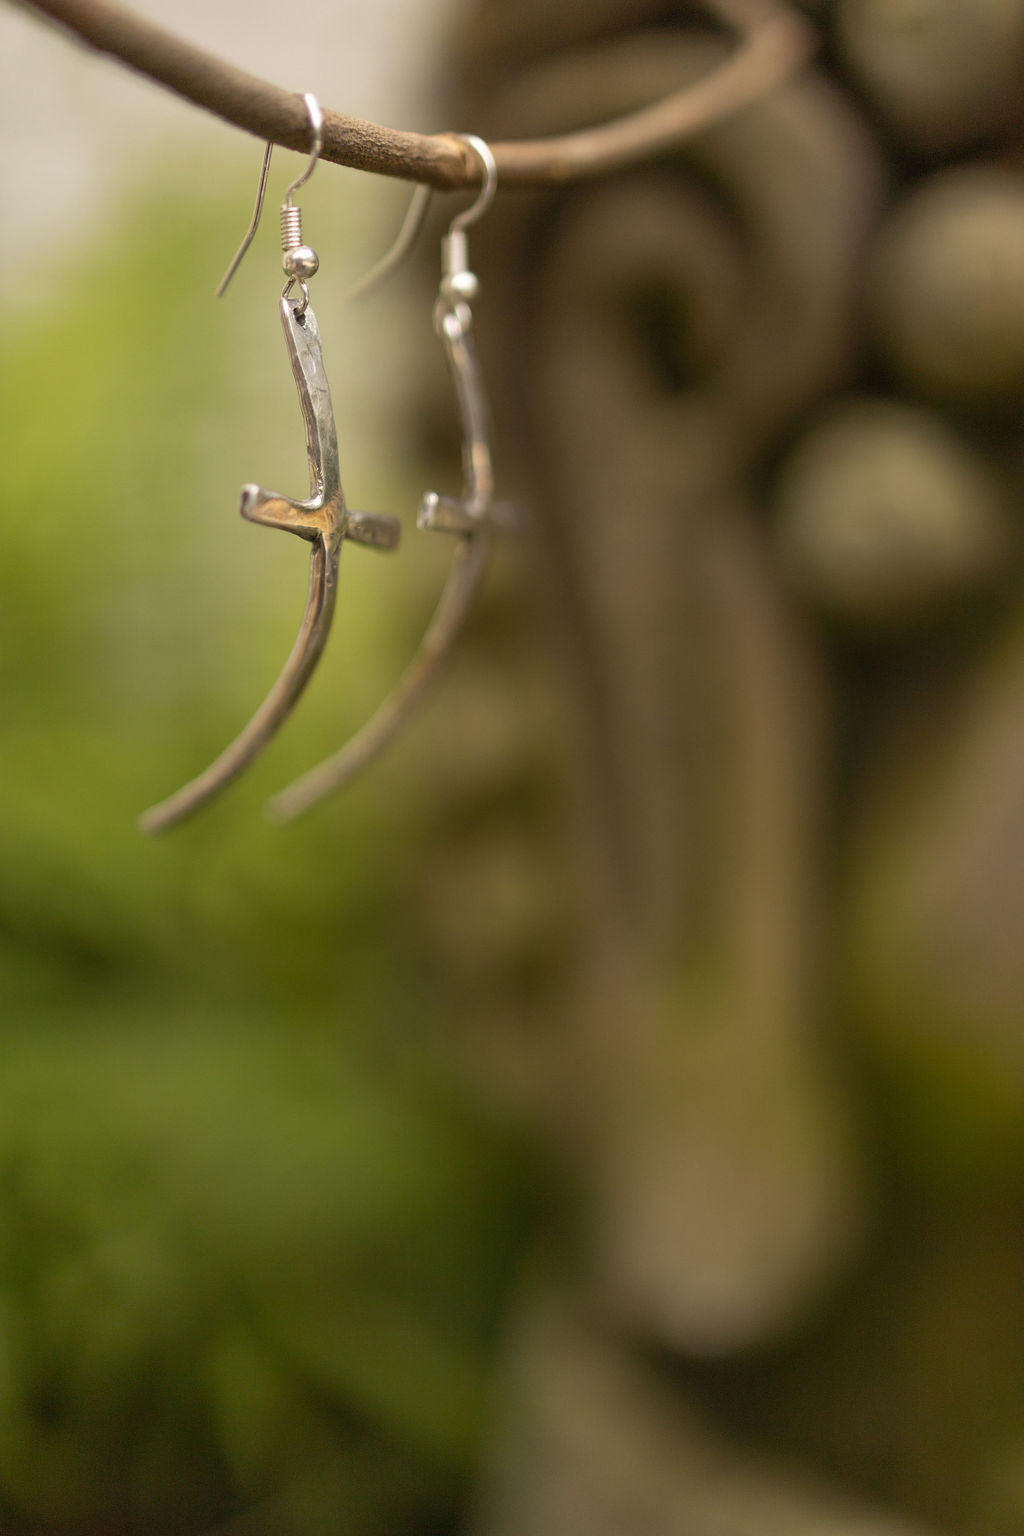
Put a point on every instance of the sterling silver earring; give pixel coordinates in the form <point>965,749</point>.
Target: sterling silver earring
<point>471,518</point>
<point>323,520</point>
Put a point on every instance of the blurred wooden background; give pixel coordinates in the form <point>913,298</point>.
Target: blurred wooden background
<point>765,397</point>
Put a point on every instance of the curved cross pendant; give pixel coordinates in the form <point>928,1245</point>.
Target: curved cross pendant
<point>325,522</point>
<point>472,519</point>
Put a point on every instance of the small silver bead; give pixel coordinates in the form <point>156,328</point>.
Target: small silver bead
<point>461,285</point>
<point>302,262</point>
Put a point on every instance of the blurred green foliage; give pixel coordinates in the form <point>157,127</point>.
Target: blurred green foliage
<point>251,1242</point>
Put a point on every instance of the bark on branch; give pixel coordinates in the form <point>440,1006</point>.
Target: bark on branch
<point>773,43</point>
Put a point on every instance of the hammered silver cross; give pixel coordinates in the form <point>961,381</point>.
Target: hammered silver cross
<point>325,522</point>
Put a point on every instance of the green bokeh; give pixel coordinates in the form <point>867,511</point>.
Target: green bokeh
<point>251,1243</point>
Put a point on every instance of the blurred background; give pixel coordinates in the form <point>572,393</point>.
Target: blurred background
<point>608,1115</point>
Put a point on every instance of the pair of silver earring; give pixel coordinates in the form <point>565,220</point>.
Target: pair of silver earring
<point>324,518</point>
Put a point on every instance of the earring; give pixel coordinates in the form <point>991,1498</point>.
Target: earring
<point>470,518</point>
<point>323,520</point>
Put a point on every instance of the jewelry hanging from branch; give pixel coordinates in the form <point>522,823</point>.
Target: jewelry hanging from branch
<point>323,520</point>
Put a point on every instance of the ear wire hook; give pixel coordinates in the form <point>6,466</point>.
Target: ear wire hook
<point>316,126</point>
<point>254,222</point>
<point>485,197</point>
<point>415,218</point>
<point>316,143</point>
<point>472,519</point>
<point>300,260</point>
<point>399,250</point>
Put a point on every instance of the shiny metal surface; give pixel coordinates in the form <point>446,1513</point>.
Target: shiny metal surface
<point>322,520</point>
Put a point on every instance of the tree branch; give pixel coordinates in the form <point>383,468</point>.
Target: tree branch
<point>774,42</point>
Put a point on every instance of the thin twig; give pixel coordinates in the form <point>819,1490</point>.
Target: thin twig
<point>774,42</point>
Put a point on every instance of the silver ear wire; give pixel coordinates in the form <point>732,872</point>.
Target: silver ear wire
<point>485,196</point>
<point>316,143</point>
<point>316,125</point>
<point>299,259</point>
<point>400,250</point>
<point>254,222</point>
<point>415,218</point>
<point>458,282</point>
